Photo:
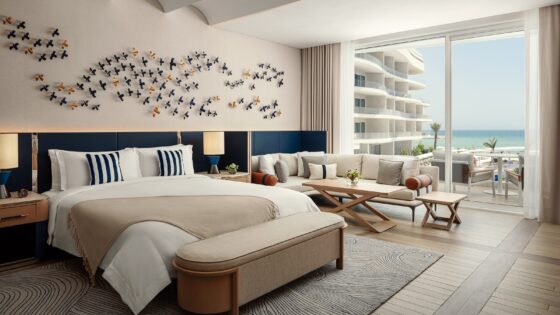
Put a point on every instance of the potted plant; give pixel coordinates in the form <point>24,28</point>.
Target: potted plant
<point>353,176</point>
<point>232,168</point>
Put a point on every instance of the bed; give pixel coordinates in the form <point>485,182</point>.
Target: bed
<point>152,243</point>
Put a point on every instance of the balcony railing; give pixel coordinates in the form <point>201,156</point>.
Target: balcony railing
<point>383,111</point>
<point>380,63</point>
<point>386,135</point>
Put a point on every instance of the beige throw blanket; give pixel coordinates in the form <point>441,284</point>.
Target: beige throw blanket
<point>96,224</point>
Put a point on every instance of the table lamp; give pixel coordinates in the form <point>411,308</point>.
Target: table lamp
<point>8,160</point>
<point>213,148</point>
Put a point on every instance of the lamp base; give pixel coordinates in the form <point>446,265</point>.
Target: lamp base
<point>214,159</point>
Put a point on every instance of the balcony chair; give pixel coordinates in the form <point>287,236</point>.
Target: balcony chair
<point>516,178</point>
<point>464,170</point>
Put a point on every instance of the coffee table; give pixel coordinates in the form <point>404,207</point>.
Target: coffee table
<point>441,198</point>
<point>358,194</point>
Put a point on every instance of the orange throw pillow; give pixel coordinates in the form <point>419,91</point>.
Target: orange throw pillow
<point>263,179</point>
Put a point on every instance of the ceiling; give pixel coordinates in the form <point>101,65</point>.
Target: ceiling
<point>307,23</point>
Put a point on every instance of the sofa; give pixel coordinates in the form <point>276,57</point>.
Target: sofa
<point>368,165</point>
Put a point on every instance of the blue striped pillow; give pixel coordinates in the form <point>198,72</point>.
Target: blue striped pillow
<point>170,162</point>
<point>104,168</point>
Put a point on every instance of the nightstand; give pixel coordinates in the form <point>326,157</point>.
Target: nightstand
<point>238,177</point>
<point>23,227</point>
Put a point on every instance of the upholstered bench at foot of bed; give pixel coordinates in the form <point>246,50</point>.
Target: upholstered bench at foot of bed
<point>221,273</point>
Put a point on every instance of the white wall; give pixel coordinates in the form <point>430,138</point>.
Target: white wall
<point>99,28</point>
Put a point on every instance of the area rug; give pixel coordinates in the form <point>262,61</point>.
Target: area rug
<point>373,272</point>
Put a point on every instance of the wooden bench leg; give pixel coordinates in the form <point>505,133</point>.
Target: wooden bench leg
<point>340,260</point>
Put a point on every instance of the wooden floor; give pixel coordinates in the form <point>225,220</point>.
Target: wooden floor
<point>494,263</point>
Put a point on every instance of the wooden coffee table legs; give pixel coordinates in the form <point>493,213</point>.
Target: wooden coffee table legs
<point>454,218</point>
<point>355,200</point>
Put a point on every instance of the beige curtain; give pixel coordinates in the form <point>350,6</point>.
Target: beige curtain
<point>320,77</point>
<point>549,56</point>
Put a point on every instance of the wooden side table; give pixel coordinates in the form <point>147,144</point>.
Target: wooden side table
<point>33,209</point>
<point>441,198</point>
<point>237,177</point>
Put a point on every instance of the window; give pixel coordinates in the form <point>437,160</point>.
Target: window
<point>359,80</point>
<point>359,102</point>
<point>360,127</point>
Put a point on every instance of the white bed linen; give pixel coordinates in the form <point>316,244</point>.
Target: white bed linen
<point>138,264</point>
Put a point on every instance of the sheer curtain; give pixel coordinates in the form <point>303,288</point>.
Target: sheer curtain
<point>532,180</point>
<point>344,117</point>
<point>549,98</point>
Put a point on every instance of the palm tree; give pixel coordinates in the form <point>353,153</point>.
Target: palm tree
<point>435,128</point>
<point>491,143</point>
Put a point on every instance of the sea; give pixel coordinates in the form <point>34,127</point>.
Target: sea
<point>474,139</point>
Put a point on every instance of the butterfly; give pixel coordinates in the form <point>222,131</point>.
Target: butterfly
<point>275,114</point>
<point>64,54</point>
<point>116,70</point>
<point>123,66</point>
<point>138,94</point>
<point>155,111</point>
<point>232,104</point>
<point>241,100</point>
<point>116,82</point>
<point>143,72</point>
<point>190,59</point>
<point>8,20</point>
<point>161,61</point>
<point>131,66</point>
<point>44,88</point>
<point>186,115</point>
<point>87,78</point>
<point>144,61</point>
<point>172,93</point>
<point>101,65</point>
<point>60,87</point>
<point>180,100</point>
<point>155,80</point>
<point>50,43</point>
<point>95,107</point>
<point>108,61</point>
<point>25,36</point>
<point>52,97</point>
<point>64,44</point>
<point>84,103</point>
<point>134,52</point>
<point>159,97</point>
<point>21,24</point>
<point>192,103</point>
<point>117,58</point>
<point>28,50</point>
<point>70,90</point>
<point>92,92</point>
<point>175,111</point>
<point>141,83</point>
<point>55,32</point>
<point>162,86</point>
<point>15,46</point>
<point>274,104</point>
<point>43,57</point>
<point>107,72</point>
<point>224,68</point>
<point>129,91</point>
<point>280,82</point>
<point>167,104</point>
<point>251,87</point>
<point>261,65</point>
<point>146,101</point>
<point>120,96</point>
<point>93,71</point>
<point>172,64</point>
<point>39,77</point>
<point>249,106</point>
<point>127,81</point>
<point>63,101</point>
<point>73,105</point>
<point>124,56</point>
<point>150,73</point>
<point>103,85</point>
<point>178,81</point>
<point>12,34</point>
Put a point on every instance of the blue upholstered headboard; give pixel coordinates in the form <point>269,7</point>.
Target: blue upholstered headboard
<point>265,142</point>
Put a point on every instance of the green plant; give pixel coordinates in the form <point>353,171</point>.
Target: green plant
<point>232,168</point>
<point>491,143</point>
<point>435,128</point>
<point>404,151</point>
<point>516,170</point>
<point>353,174</point>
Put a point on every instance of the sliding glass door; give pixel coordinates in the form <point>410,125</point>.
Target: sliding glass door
<point>456,101</point>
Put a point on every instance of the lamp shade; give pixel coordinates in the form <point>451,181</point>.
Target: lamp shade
<point>8,151</point>
<point>214,143</point>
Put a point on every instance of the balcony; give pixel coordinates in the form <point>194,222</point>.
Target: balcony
<point>388,112</point>
<point>386,68</point>
<point>395,135</point>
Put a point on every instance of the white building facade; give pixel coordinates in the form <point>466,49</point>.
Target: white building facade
<point>388,118</point>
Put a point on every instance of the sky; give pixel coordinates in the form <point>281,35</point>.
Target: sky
<point>488,84</point>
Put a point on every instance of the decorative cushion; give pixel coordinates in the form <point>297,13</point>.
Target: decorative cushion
<point>370,166</point>
<point>322,171</point>
<point>411,168</point>
<point>104,168</point>
<point>292,162</point>
<point>312,159</point>
<point>149,162</point>
<point>55,170</point>
<point>389,172</point>
<point>300,155</point>
<point>75,172</point>
<point>417,182</point>
<point>282,171</point>
<point>171,162</point>
<point>345,162</point>
<point>266,164</point>
<point>263,179</point>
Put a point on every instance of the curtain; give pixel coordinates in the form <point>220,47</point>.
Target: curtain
<point>532,173</point>
<point>320,89</point>
<point>549,79</point>
<point>344,123</point>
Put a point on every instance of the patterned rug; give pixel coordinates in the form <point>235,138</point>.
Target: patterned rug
<point>373,272</point>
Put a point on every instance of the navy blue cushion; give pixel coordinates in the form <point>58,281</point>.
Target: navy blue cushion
<point>104,168</point>
<point>170,162</point>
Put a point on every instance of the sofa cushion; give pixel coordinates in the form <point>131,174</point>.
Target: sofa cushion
<point>405,194</point>
<point>295,183</point>
<point>410,168</point>
<point>345,162</point>
<point>263,179</point>
<point>255,161</point>
<point>282,171</point>
<point>370,165</point>
<point>389,172</point>
<point>266,164</point>
<point>292,162</point>
<point>301,170</point>
<point>312,159</point>
<point>323,171</point>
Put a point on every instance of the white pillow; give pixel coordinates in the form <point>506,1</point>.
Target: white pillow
<point>74,170</point>
<point>300,170</point>
<point>55,170</point>
<point>317,171</point>
<point>149,162</point>
<point>266,164</point>
<point>292,161</point>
